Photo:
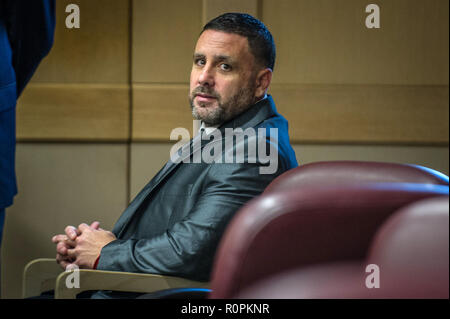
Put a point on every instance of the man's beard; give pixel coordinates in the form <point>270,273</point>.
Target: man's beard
<point>225,111</point>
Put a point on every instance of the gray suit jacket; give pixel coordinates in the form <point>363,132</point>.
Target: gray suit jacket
<point>175,223</point>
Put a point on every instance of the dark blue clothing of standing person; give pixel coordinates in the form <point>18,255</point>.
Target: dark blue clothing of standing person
<point>26,36</point>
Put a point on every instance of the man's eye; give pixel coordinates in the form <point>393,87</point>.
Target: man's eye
<point>200,62</point>
<point>225,67</point>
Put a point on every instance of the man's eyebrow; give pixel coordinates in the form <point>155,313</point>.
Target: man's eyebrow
<point>198,55</point>
<point>223,58</point>
<point>217,58</point>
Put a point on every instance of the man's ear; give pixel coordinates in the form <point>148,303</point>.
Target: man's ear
<point>263,79</point>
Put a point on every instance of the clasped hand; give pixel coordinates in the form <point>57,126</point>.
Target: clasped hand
<point>81,246</point>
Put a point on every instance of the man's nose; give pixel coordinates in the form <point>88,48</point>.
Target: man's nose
<point>206,77</point>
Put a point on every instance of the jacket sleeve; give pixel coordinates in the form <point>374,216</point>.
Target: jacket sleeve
<point>188,248</point>
<point>30,26</point>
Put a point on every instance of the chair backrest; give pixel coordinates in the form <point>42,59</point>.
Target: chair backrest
<point>412,251</point>
<point>340,172</point>
<point>284,230</point>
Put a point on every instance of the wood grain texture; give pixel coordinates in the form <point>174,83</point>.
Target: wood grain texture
<point>327,42</point>
<point>214,8</point>
<point>164,37</point>
<point>97,52</point>
<point>345,83</point>
<point>317,113</point>
<point>80,112</point>
<point>158,109</point>
<point>365,113</point>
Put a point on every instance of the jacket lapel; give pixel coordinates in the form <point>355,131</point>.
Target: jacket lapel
<point>154,182</point>
<point>250,118</point>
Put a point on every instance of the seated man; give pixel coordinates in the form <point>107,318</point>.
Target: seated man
<point>175,223</point>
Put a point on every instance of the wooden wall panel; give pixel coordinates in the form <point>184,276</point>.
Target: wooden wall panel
<point>60,184</point>
<point>158,109</point>
<point>372,86</point>
<point>334,66</point>
<point>97,52</point>
<point>81,89</point>
<point>89,112</point>
<point>327,42</point>
<point>317,113</point>
<point>435,157</point>
<point>164,36</point>
<point>365,114</point>
<point>214,8</point>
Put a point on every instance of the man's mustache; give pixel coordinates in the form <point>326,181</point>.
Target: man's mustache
<point>205,90</point>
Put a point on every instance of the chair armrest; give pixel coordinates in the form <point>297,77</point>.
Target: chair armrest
<point>39,275</point>
<point>119,281</point>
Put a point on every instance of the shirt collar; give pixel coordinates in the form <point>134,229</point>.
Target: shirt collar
<point>207,129</point>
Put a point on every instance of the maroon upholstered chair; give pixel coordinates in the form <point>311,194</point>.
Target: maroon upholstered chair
<point>410,250</point>
<point>334,223</point>
<point>282,231</point>
<point>345,172</point>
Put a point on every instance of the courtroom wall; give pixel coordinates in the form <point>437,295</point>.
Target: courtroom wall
<point>93,125</point>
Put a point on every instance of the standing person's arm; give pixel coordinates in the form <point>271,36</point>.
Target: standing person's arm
<point>30,26</point>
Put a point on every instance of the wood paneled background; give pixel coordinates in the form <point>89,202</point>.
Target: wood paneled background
<point>335,80</point>
<point>93,125</point>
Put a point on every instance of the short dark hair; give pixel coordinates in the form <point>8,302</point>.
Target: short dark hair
<point>259,38</point>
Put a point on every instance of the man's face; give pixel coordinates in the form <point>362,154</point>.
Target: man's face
<point>223,77</point>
